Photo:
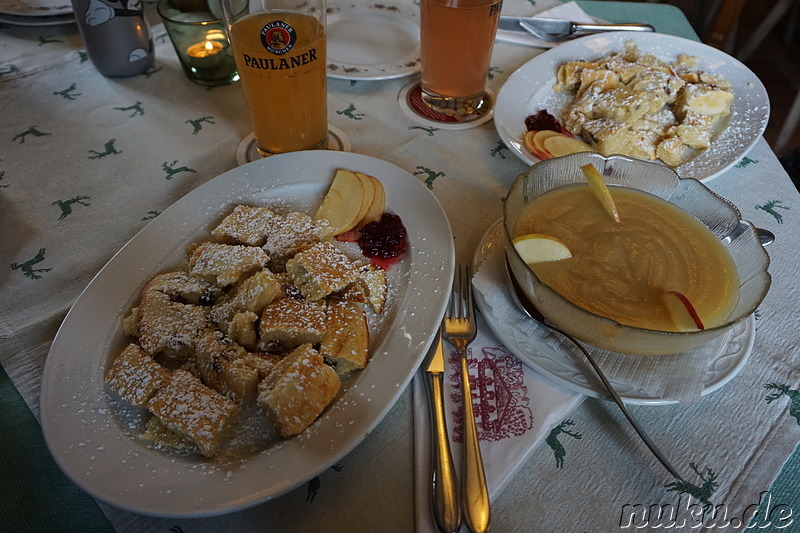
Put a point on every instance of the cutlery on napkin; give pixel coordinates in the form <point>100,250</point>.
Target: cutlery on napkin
<point>570,11</point>
<point>445,502</point>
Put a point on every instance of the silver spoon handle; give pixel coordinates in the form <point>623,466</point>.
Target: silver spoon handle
<point>644,436</point>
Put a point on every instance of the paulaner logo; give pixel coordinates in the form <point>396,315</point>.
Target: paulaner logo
<point>269,63</point>
<point>689,515</point>
<point>278,37</point>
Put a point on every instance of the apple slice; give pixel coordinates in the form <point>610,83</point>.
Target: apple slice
<point>541,137</point>
<point>341,206</point>
<point>681,310</point>
<point>378,204</point>
<point>528,141</point>
<point>538,248</point>
<point>598,187</point>
<point>367,199</point>
<point>561,144</point>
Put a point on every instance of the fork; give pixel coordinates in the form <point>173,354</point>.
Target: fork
<point>580,29</point>
<point>459,329</point>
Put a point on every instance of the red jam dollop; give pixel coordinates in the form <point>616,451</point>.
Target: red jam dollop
<point>384,242</point>
<point>543,121</point>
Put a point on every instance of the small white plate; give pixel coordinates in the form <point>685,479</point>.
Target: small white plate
<point>373,42</point>
<point>54,20</point>
<point>94,443</point>
<point>35,8</point>
<point>734,347</point>
<point>530,89</point>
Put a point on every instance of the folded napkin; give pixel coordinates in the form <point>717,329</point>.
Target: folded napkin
<point>568,11</point>
<point>515,410</point>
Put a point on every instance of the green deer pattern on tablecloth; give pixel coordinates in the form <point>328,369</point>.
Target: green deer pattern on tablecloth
<point>9,69</point>
<point>68,93</point>
<point>197,123</point>
<point>313,486</point>
<point>27,267</point>
<point>784,390</point>
<point>66,205</point>
<point>554,444</point>
<point>498,149</point>
<point>2,177</point>
<point>135,109</point>
<point>170,169</point>
<point>430,175</point>
<point>492,71</point>
<point>430,130</point>
<point>108,149</point>
<point>703,492</point>
<point>32,130</point>
<point>151,215</point>
<point>48,39</point>
<point>350,112</point>
<point>745,162</point>
<point>771,207</point>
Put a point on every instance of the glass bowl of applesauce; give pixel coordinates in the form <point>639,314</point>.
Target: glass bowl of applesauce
<point>679,267</point>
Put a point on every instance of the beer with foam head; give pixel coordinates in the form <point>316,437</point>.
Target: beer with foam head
<point>280,56</point>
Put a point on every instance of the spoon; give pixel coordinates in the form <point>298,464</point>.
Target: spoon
<point>765,236</point>
<point>529,309</point>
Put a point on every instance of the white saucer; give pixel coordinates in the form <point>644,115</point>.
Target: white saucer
<point>36,8</point>
<point>44,20</point>
<point>733,348</point>
<point>372,42</point>
<point>247,152</point>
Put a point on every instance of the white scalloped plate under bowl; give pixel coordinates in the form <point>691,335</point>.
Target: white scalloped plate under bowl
<point>94,438</point>
<point>546,358</point>
<point>530,89</point>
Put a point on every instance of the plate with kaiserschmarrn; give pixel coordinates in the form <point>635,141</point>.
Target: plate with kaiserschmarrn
<point>248,337</point>
<point>646,95</point>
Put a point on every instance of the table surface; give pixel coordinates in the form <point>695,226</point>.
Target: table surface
<point>49,89</point>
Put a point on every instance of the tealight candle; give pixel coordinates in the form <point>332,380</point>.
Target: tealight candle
<point>205,55</point>
<point>199,40</point>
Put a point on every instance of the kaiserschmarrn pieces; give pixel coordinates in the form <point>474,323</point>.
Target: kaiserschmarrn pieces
<point>632,103</point>
<point>267,317</point>
<point>135,376</point>
<point>320,270</point>
<point>297,390</point>
<point>225,264</point>
<point>194,411</point>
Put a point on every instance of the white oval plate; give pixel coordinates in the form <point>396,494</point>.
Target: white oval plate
<point>89,439</point>
<point>373,42</point>
<point>734,347</point>
<point>530,89</point>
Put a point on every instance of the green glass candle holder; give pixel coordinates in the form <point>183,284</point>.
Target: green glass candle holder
<point>198,35</point>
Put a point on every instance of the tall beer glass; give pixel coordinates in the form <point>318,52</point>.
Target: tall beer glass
<point>280,51</point>
<point>456,41</point>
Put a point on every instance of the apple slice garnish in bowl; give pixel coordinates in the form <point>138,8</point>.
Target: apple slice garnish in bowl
<point>682,311</point>
<point>600,190</point>
<point>538,248</point>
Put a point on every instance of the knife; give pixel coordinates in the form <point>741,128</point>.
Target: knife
<point>565,28</point>
<point>444,485</point>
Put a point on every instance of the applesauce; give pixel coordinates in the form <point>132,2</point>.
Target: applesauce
<point>619,270</point>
